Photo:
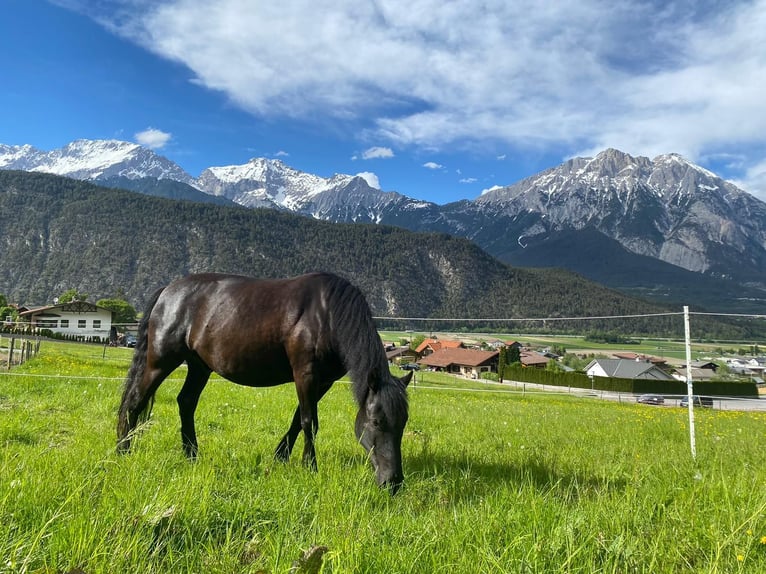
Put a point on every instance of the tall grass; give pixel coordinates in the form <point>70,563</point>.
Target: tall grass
<point>494,482</point>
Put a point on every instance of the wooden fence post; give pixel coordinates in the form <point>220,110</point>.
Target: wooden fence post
<point>10,353</point>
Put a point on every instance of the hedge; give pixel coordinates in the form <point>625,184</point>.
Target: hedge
<point>637,386</point>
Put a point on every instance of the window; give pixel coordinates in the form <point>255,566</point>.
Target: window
<point>65,323</point>
<point>96,323</point>
<point>80,323</point>
<point>47,323</point>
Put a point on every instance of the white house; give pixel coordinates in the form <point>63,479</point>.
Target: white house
<point>77,318</point>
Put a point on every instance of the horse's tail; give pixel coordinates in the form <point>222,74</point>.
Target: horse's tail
<point>127,420</point>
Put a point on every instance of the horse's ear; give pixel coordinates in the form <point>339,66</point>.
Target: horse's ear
<point>407,378</point>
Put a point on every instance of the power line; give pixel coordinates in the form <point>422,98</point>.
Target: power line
<point>532,319</point>
<point>521,319</point>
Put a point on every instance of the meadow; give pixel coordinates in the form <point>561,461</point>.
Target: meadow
<point>495,481</point>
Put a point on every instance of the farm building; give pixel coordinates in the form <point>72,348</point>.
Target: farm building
<point>76,318</point>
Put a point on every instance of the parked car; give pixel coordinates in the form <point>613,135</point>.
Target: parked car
<point>698,401</point>
<point>129,341</point>
<point>411,367</point>
<point>651,399</point>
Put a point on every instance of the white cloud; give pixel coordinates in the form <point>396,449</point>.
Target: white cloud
<point>754,180</point>
<point>649,78</point>
<point>371,179</point>
<point>493,188</point>
<point>153,138</point>
<point>468,180</point>
<point>432,165</point>
<point>377,153</point>
<point>281,153</point>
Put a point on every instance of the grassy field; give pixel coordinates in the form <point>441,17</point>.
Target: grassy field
<point>495,482</point>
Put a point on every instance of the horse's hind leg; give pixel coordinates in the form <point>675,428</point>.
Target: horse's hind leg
<point>136,403</point>
<point>187,399</point>
<point>285,446</point>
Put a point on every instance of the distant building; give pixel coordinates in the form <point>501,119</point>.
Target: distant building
<point>77,318</point>
<point>533,359</point>
<point>626,369</point>
<point>429,346</point>
<point>467,362</point>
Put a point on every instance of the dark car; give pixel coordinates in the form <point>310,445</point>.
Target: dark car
<point>129,341</point>
<point>651,399</point>
<point>698,401</point>
<point>410,367</point>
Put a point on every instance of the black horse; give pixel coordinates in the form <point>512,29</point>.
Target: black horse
<point>310,329</point>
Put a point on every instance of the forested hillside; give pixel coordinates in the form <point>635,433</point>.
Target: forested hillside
<point>58,233</point>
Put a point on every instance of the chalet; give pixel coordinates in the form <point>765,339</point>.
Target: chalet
<point>626,369</point>
<point>429,346</point>
<point>467,362</point>
<point>76,318</point>
<point>399,355</point>
<point>533,359</point>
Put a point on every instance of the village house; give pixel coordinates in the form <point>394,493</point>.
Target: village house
<point>626,369</point>
<point>533,359</point>
<point>79,319</point>
<point>429,346</point>
<point>467,362</point>
<point>701,371</point>
<point>400,355</point>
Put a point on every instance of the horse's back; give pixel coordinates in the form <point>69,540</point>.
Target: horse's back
<point>251,331</point>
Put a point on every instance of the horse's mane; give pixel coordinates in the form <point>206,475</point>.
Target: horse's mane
<point>357,340</point>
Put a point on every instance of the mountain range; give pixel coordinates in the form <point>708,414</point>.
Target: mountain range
<point>663,228</point>
<point>59,233</point>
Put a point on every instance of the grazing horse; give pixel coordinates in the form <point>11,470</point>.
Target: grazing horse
<point>310,329</point>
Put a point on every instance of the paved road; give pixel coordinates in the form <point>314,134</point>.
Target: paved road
<point>719,403</point>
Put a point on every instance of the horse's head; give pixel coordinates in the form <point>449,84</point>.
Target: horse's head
<point>379,428</point>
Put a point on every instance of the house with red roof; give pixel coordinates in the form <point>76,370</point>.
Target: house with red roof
<point>429,346</point>
<point>459,361</point>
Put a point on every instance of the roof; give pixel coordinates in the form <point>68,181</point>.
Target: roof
<point>640,357</point>
<point>71,307</point>
<point>530,358</point>
<point>437,344</point>
<point>708,365</point>
<point>399,352</point>
<point>626,369</point>
<point>466,357</point>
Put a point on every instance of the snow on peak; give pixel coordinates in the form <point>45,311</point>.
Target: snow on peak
<point>93,156</point>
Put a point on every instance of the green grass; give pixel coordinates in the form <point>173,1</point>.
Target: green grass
<point>495,482</point>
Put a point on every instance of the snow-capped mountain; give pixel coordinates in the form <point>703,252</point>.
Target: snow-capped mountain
<point>271,183</point>
<point>665,208</point>
<point>93,160</point>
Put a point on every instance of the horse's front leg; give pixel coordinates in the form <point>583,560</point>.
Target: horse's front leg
<point>310,427</point>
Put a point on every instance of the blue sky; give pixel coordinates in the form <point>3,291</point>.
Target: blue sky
<point>436,100</point>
